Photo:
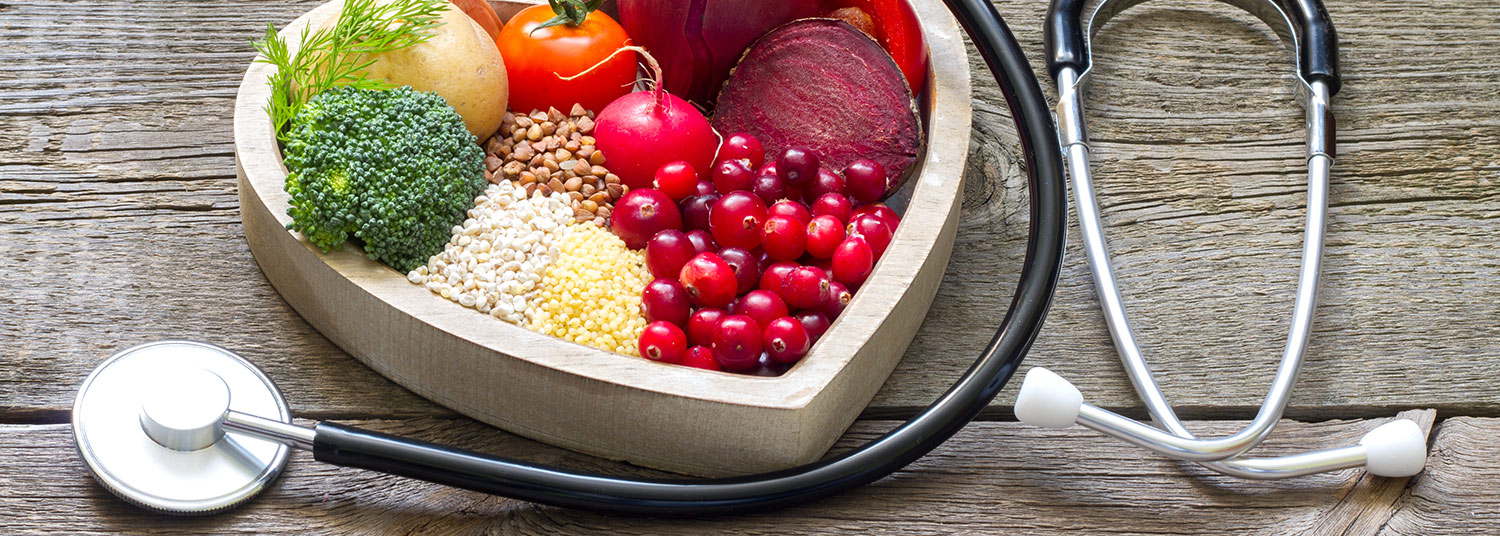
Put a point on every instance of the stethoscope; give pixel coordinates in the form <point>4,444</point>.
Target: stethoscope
<point>189,428</point>
<point>1395,449</point>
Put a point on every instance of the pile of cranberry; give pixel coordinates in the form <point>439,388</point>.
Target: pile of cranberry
<point>753,264</point>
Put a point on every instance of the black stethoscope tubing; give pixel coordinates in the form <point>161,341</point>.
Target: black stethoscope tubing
<point>978,386</point>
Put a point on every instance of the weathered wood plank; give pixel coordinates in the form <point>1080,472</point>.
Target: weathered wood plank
<point>119,223</point>
<point>993,478</point>
<point>1457,493</point>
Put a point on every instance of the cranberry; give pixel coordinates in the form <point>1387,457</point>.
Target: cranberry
<point>787,207</point>
<point>836,205</point>
<point>641,214</point>
<point>873,230</point>
<point>805,288</point>
<point>838,298</point>
<point>852,261</point>
<point>768,188</point>
<point>695,210</point>
<point>700,356</point>
<point>667,252</point>
<point>767,368</point>
<point>677,179</point>
<point>662,341</point>
<point>665,300</point>
<point>866,181</point>
<point>786,340</point>
<point>732,175</point>
<point>816,323</point>
<point>746,268</point>
<point>824,234</point>
<point>827,182</point>
<point>700,326</point>
<point>768,169</point>
<point>761,305</point>
<point>737,342</point>
<point>879,210</point>
<point>705,187</point>
<point>797,167</point>
<point>763,260</point>
<point>702,241</point>
<point>710,282</point>
<point>825,264</point>
<point>743,146</point>
<point>784,238</point>
<point>736,220</point>
<point>772,277</point>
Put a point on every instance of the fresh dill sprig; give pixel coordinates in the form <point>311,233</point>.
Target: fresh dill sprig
<point>337,56</point>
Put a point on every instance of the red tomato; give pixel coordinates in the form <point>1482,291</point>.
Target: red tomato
<point>897,30</point>
<point>536,62</point>
<point>482,13</point>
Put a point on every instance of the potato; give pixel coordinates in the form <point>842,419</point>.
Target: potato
<point>459,62</point>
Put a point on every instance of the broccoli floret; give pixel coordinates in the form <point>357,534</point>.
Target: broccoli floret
<point>397,169</point>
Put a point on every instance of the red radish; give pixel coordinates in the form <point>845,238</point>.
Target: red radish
<point>700,357</point>
<point>642,131</point>
<point>662,341</point>
<point>641,214</point>
<point>700,326</point>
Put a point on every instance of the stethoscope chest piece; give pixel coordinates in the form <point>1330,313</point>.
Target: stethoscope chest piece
<point>147,423</point>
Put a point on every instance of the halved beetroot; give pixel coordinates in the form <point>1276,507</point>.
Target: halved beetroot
<point>823,85</point>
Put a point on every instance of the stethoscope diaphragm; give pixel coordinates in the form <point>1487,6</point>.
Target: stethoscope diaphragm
<point>147,424</point>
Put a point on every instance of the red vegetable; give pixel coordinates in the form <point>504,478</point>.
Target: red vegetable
<point>821,85</point>
<point>642,131</point>
<point>698,41</point>
<point>894,24</point>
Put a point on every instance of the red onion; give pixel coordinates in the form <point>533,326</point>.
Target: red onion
<point>699,41</point>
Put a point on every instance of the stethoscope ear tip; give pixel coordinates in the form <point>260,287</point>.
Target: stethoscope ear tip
<point>1047,400</point>
<point>1395,449</point>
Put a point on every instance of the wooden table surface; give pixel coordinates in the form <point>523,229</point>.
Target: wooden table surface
<point>119,225</point>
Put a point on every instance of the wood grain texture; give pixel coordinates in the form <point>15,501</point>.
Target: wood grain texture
<point>993,478</point>
<point>117,205</point>
<point>1456,494</point>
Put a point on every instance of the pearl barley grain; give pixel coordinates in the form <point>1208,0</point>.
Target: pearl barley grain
<point>507,237</point>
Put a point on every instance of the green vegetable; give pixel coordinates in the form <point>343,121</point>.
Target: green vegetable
<point>396,169</point>
<point>332,57</point>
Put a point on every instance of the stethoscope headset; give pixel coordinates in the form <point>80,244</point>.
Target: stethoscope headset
<point>176,394</point>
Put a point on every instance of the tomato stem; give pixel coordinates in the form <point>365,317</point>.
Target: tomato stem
<point>570,12</point>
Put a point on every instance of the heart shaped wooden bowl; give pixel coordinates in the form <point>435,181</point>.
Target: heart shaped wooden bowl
<point>615,406</point>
